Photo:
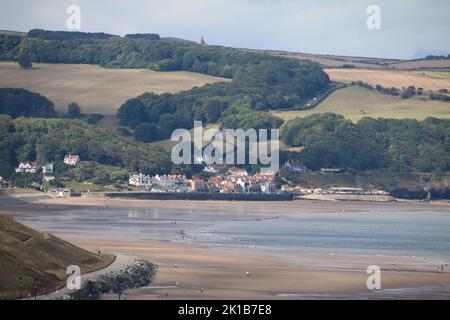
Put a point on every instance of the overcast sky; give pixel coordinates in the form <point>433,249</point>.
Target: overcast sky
<point>409,28</point>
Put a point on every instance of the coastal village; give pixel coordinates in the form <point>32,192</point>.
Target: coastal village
<point>213,179</point>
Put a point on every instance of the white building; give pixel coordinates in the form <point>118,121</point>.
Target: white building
<point>47,169</point>
<point>48,178</point>
<point>26,168</point>
<point>213,168</point>
<point>266,187</point>
<point>237,172</point>
<point>140,180</point>
<point>164,181</point>
<point>72,160</point>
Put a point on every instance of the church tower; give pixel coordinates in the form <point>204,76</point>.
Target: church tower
<point>202,41</point>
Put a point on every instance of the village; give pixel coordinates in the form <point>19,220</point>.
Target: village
<point>213,179</point>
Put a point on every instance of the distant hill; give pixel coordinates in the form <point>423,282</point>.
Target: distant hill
<point>13,33</point>
<point>29,254</point>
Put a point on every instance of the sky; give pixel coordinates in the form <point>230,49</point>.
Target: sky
<point>409,28</point>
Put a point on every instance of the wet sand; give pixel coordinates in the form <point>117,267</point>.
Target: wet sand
<point>200,272</point>
<point>191,271</point>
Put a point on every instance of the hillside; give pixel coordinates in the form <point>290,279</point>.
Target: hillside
<point>27,139</point>
<point>336,61</point>
<point>96,89</point>
<point>355,103</point>
<point>30,254</point>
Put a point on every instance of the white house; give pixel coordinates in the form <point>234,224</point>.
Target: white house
<point>26,168</point>
<point>72,160</point>
<point>163,181</point>
<point>47,169</point>
<point>140,180</point>
<point>213,168</point>
<point>266,187</point>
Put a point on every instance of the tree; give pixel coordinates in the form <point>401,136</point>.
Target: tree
<point>74,110</point>
<point>24,59</point>
<point>146,132</point>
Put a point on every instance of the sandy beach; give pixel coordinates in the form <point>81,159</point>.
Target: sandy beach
<point>198,271</point>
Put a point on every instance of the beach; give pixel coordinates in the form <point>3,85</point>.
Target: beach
<point>196,267</point>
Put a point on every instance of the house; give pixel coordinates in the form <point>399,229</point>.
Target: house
<point>214,168</point>
<point>180,180</point>
<point>265,176</point>
<point>47,169</point>
<point>140,180</point>
<point>163,181</point>
<point>237,172</point>
<point>295,166</point>
<point>229,187</point>
<point>48,178</point>
<point>266,187</point>
<point>2,183</point>
<point>26,167</point>
<point>72,160</point>
<point>198,185</point>
<point>215,183</point>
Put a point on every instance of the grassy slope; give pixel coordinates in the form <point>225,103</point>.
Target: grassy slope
<point>389,78</point>
<point>96,89</point>
<point>355,103</point>
<point>27,253</point>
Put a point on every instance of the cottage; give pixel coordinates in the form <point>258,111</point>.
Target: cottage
<point>2,183</point>
<point>72,160</point>
<point>27,168</point>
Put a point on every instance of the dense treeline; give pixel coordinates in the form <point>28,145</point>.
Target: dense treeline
<point>26,139</point>
<point>67,35</point>
<point>434,57</point>
<point>332,141</point>
<point>146,36</point>
<point>21,102</point>
<point>265,81</point>
<point>241,116</point>
<point>9,46</point>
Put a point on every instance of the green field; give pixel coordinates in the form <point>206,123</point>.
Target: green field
<point>355,103</point>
